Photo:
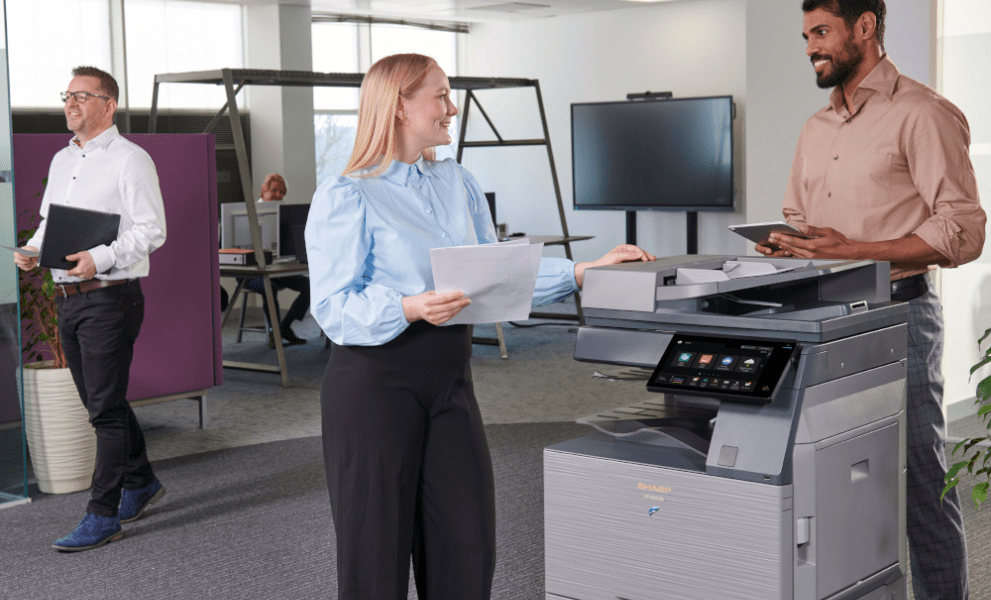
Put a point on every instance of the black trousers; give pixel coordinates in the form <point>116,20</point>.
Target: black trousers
<point>98,330</point>
<point>299,306</point>
<point>408,468</point>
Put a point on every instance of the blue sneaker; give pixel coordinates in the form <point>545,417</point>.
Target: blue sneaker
<point>93,532</point>
<point>134,502</point>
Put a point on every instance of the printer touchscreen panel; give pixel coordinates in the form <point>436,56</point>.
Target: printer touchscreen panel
<point>736,369</point>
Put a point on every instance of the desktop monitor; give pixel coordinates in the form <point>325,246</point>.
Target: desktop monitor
<point>291,216</point>
<point>235,231</point>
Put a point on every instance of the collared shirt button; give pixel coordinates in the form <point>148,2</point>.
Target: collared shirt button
<point>829,194</point>
<point>837,157</point>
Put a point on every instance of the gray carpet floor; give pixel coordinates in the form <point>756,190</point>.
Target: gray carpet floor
<point>254,522</point>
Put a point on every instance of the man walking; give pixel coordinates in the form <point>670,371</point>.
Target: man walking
<point>883,172</point>
<point>100,304</point>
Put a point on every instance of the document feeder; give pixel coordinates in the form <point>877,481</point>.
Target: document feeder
<point>706,493</point>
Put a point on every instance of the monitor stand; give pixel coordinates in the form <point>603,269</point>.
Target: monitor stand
<point>691,230</point>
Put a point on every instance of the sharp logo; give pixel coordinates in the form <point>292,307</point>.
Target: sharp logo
<point>646,487</point>
<point>652,510</point>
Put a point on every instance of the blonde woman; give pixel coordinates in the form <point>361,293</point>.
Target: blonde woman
<point>408,466</point>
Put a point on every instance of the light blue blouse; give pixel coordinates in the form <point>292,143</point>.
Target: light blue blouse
<point>368,242</point>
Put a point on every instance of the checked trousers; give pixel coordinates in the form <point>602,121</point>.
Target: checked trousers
<point>937,547</point>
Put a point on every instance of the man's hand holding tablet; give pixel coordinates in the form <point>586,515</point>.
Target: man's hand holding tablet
<point>760,233</point>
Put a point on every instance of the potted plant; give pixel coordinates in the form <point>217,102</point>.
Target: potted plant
<point>980,457</point>
<point>61,441</point>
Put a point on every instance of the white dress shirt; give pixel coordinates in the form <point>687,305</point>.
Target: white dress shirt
<point>110,174</point>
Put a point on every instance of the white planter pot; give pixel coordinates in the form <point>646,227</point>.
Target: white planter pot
<point>61,440</point>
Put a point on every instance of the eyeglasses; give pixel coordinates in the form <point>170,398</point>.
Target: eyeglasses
<point>80,97</point>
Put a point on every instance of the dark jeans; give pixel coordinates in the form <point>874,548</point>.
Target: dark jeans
<point>300,305</point>
<point>98,330</point>
<point>408,468</point>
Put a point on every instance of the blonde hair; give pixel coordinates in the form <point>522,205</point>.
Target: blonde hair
<point>388,80</point>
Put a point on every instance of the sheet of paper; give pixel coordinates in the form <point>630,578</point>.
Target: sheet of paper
<point>737,269</point>
<point>499,279</point>
<point>27,253</point>
<point>696,276</point>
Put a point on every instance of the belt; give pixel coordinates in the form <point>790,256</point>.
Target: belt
<point>909,288</point>
<point>64,290</point>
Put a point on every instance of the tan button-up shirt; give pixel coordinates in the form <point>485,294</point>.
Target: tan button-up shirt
<point>895,165</point>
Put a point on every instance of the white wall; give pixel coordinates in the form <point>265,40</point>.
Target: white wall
<point>689,48</point>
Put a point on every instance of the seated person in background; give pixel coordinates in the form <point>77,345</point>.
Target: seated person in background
<point>274,190</point>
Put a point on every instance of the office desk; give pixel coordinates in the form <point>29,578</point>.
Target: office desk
<point>243,274</point>
<point>551,240</point>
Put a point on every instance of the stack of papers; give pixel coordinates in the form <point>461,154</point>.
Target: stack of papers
<point>733,269</point>
<point>498,278</point>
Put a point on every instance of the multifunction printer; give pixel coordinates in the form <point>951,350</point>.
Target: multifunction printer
<point>770,463</point>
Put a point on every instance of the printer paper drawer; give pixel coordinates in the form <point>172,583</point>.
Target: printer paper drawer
<point>710,538</point>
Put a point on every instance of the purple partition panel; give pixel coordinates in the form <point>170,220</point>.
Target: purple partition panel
<point>179,349</point>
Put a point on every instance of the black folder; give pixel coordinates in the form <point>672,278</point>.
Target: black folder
<point>69,230</point>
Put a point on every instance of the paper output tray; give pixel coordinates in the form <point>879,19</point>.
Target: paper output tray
<point>657,425</point>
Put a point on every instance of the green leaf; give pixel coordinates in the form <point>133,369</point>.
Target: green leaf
<point>980,493</point>
<point>984,361</point>
<point>984,409</point>
<point>950,474</point>
<point>949,486</point>
<point>983,337</point>
<point>984,389</point>
<point>971,443</point>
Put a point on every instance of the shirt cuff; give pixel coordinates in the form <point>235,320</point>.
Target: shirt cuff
<point>103,258</point>
<point>944,237</point>
<point>555,281</point>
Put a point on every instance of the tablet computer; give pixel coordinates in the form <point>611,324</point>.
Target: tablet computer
<point>760,232</point>
<point>747,370</point>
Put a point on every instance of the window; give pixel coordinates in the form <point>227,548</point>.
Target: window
<point>336,49</point>
<point>176,36</point>
<point>397,39</point>
<point>40,64</point>
<point>334,135</point>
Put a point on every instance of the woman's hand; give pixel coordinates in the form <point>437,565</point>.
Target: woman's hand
<point>434,308</point>
<point>619,254</point>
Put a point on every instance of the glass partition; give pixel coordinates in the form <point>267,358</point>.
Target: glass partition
<point>13,457</point>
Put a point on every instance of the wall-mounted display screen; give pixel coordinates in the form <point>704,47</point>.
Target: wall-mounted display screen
<point>737,369</point>
<point>673,154</point>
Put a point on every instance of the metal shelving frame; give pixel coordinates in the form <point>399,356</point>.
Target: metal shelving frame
<point>234,81</point>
